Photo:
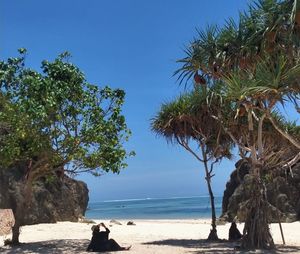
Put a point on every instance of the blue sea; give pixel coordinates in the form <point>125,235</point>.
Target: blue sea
<point>154,208</point>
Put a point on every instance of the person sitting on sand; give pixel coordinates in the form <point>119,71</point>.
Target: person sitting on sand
<point>234,233</point>
<point>100,240</point>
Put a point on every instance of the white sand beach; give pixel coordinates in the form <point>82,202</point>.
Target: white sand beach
<point>146,237</point>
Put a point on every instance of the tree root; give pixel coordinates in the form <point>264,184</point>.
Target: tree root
<point>256,231</point>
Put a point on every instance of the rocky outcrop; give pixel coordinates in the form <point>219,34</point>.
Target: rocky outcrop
<point>283,193</point>
<point>54,199</point>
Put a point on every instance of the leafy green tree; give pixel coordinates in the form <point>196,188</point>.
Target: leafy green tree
<point>189,118</point>
<point>55,119</point>
<point>256,61</point>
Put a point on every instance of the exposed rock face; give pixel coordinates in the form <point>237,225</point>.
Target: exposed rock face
<point>283,192</point>
<point>53,199</point>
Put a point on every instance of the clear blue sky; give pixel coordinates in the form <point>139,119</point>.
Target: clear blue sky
<point>133,45</point>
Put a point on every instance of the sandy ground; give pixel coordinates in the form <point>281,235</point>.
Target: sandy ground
<point>146,237</point>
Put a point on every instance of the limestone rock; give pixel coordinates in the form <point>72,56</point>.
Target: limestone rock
<point>283,193</point>
<point>57,199</point>
<point>115,222</point>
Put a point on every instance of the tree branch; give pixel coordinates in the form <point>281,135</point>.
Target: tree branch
<point>242,147</point>
<point>212,166</point>
<point>283,133</point>
<point>259,136</point>
<point>186,146</point>
<point>292,161</point>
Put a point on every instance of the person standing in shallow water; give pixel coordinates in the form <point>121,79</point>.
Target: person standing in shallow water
<point>100,241</point>
<point>234,233</point>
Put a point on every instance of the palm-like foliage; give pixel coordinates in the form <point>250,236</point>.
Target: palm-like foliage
<point>267,27</point>
<point>272,80</point>
<point>201,55</point>
<point>256,63</point>
<point>190,117</point>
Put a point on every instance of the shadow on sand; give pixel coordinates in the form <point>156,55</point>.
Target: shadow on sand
<point>49,247</point>
<point>223,246</point>
<point>191,246</point>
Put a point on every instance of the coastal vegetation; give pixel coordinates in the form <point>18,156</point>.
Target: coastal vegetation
<point>239,80</point>
<point>188,120</point>
<point>53,123</point>
<point>252,66</point>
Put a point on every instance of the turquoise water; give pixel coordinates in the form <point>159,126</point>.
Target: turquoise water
<point>162,208</point>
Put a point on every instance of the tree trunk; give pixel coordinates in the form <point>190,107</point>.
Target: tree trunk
<point>256,231</point>
<point>213,236</point>
<point>21,204</point>
<point>16,231</point>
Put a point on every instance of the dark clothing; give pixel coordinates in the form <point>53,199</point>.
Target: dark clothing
<point>103,235</point>
<point>100,242</point>
<point>112,245</point>
<point>234,233</point>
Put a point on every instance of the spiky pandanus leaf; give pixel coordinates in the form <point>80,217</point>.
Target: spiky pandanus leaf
<point>218,51</point>
<point>190,116</point>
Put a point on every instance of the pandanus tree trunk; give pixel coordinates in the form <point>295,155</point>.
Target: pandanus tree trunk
<point>213,236</point>
<point>256,230</point>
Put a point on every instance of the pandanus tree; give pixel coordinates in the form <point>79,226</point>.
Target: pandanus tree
<point>257,93</point>
<point>55,120</point>
<point>257,62</point>
<point>189,119</point>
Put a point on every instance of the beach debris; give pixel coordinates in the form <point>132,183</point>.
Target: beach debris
<point>82,219</point>
<point>130,223</point>
<point>7,221</point>
<point>115,222</point>
<point>221,221</point>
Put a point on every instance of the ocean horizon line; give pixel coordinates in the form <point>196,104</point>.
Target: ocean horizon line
<point>151,198</point>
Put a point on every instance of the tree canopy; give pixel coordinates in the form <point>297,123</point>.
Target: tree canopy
<point>255,63</point>
<point>54,121</point>
<point>56,113</point>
